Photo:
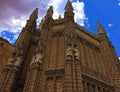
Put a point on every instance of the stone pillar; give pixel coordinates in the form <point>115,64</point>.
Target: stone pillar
<point>53,54</point>
<point>97,62</point>
<point>90,57</point>
<point>11,69</point>
<point>67,86</point>
<point>93,59</point>
<point>102,65</point>
<point>88,62</point>
<point>32,81</point>
<point>34,75</point>
<point>8,78</point>
<point>73,74</point>
<point>74,70</point>
<point>79,77</point>
<point>93,88</point>
<point>82,53</point>
<point>85,86</point>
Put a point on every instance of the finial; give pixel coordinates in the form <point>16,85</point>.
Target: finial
<point>34,14</point>
<point>49,12</point>
<point>100,29</point>
<point>69,7</point>
<point>59,16</point>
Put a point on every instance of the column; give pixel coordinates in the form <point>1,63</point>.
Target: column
<point>53,53</point>
<point>74,80</point>
<point>61,49</point>
<point>79,77</point>
<point>7,82</point>
<point>82,53</point>
<point>67,86</point>
<point>90,57</point>
<point>86,57</point>
<point>77,74</point>
<point>97,62</point>
<point>102,65</point>
<point>93,59</point>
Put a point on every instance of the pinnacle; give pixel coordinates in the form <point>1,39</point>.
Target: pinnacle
<point>101,29</point>
<point>68,6</point>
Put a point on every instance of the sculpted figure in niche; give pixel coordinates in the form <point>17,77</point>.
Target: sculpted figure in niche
<point>77,53</point>
<point>18,61</point>
<point>10,61</point>
<point>69,52</point>
<point>37,58</point>
<point>21,49</point>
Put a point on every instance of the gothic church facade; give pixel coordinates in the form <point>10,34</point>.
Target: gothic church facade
<point>61,56</point>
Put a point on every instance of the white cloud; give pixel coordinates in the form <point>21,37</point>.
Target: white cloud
<point>17,21</point>
<point>110,25</point>
<point>59,6</point>
<point>119,3</point>
<point>79,12</point>
<point>14,27</point>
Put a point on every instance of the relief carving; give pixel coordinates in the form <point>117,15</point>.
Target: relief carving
<point>72,50</point>
<point>77,53</point>
<point>15,60</point>
<point>69,53</point>
<point>38,55</point>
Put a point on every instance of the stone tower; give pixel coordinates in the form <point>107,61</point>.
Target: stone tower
<point>61,56</point>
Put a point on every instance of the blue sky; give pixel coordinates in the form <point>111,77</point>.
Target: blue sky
<point>14,13</point>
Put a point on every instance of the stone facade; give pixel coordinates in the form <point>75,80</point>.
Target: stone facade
<point>6,50</point>
<point>61,56</point>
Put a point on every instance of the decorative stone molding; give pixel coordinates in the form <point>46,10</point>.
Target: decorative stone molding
<point>97,82</point>
<point>56,72</point>
<point>57,33</point>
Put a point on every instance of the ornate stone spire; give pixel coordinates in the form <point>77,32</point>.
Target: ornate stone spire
<point>101,30</point>
<point>49,13</point>
<point>69,14</point>
<point>34,14</point>
<point>68,7</point>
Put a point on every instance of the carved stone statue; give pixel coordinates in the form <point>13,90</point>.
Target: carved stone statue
<point>10,61</point>
<point>21,49</point>
<point>77,53</point>
<point>69,52</point>
<point>37,59</point>
<point>18,61</point>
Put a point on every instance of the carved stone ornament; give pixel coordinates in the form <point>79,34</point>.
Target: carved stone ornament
<point>38,57</point>
<point>10,62</point>
<point>77,54</point>
<point>72,51</point>
<point>20,49</point>
<point>37,60</point>
<point>18,62</point>
<point>69,53</point>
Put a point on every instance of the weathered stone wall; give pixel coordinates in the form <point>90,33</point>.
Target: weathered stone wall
<point>5,51</point>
